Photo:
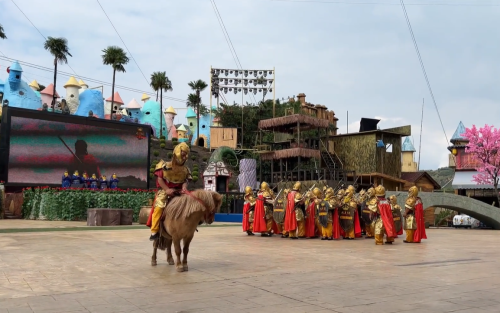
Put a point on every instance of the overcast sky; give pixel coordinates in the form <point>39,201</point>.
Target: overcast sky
<point>348,55</point>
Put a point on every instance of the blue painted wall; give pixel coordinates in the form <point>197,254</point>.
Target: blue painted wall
<point>91,99</point>
<point>150,114</point>
<point>19,94</point>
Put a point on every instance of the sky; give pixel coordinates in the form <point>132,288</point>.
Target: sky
<point>349,55</point>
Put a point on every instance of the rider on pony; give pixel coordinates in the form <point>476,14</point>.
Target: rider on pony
<point>171,179</point>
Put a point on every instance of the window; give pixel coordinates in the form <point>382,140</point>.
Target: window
<point>209,181</point>
<point>17,77</point>
<point>190,124</point>
<point>202,126</point>
<point>147,113</point>
<point>389,149</point>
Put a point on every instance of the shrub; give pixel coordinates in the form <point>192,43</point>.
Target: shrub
<point>193,157</point>
<point>152,170</point>
<point>151,175</point>
<point>169,155</point>
<point>205,159</point>
<point>156,153</point>
<point>175,143</point>
<point>195,179</point>
<point>162,137</point>
<point>195,173</point>
<point>162,146</point>
<point>231,186</point>
<point>174,139</point>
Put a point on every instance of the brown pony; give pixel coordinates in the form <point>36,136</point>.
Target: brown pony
<point>183,214</point>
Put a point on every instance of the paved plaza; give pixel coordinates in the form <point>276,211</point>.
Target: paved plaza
<point>78,270</point>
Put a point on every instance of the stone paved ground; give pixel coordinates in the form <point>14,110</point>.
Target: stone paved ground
<point>109,271</point>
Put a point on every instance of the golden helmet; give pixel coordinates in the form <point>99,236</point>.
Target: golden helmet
<point>351,189</point>
<point>317,192</point>
<point>93,176</point>
<point>380,191</point>
<point>248,190</point>
<point>340,193</point>
<point>297,186</point>
<point>370,192</point>
<point>362,192</point>
<point>66,173</point>
<point>181,147</point>
<point>76,173</point>
<point>114,176</point>
<point>393,199</point>
<point>264,185</point>
<point>329,191</point>
<point>413,191</point>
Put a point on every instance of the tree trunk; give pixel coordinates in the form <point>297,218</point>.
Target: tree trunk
<point>161,112</point>
<point>54,96</point>
<point>112,95</point>
<point>495,186</point>
<point>198,117</point>
<point>156,95</point>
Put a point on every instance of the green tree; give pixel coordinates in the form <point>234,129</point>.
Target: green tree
<point>165,85</point>
<point>117,58</point>
<point>2,33</point>
<point>155,84</point>
<point>192,102</point>
<point>198,86</point>
<point>58,47</point>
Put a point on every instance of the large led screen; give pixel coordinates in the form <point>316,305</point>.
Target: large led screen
<point>40,151</point>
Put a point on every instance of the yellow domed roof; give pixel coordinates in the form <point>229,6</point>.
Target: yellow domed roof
<point>82,83</point>
<point>34,84</point>
<point>72,82</point>
<point>170,110</point>
<point>145,97</point>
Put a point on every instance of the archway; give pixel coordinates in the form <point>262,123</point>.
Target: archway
<point>201,142</point>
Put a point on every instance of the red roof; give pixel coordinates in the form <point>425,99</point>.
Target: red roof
<point>49,90</point>
<point>117,99</point>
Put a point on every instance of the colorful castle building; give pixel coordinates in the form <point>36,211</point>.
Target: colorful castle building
<point>169,121</point>
<point>16,92</point>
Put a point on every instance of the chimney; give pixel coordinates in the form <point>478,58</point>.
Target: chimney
<point>302,98</point>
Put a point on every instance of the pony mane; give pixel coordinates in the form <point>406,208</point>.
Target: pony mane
<point>184,205</point>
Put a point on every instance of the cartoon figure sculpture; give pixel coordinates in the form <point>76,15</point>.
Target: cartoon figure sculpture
<point>103,183</point>
<point>85,180</point>
<point>93,182</point>
<point>66,180</point>
<point>76,180</point>
<point>113,182</point>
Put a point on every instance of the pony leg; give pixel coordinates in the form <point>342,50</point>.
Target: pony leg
<point>185,251</point>
<point>170,259</point>
<point>153,257</point>
<point>177,246</point>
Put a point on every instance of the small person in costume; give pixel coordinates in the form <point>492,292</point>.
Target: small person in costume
<point>349,216</point>
<point>93,182</point>
<point>263,218</point>
<point>113,182</point>
<point>383,223</point>
<point>171,180</point>
<point>76,180</point>
<point>414,217</point>
<point>66,180</point>
<point>367,214</point>
<point>313,227</point>
<point>396,215</point>
<point>294,216</point>
<point>103,182</point>
<point>327,232</point>
<point>248,210</point>
<point>85,180</point>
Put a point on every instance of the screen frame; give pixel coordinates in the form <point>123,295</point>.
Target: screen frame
<point>5,126</point>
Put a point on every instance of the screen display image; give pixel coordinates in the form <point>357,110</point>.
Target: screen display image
<point>40,151</point>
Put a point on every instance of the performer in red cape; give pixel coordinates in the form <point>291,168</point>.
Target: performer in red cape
<point>337,230</point>
<point>172,178</point>
<point>248,211</point>
<point>357,226</point>
<point>383,224</point>
<point>414,217</point>
<point>263,216</point>
<point>315,197</point>
<point>292,197</point>
<point>350,222</point>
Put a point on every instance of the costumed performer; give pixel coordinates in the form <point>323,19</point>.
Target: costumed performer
<point>366,214</point>
<point>103,182</point>
<point>279,212</point>
<point>325,210</point>
<point>349,220</point>
<point>248,210</point>
<point>383,224</point>
<point>263,216</point>
<point>414,217</point>
<point>294,216</point>
<point>76,180</point>
<point>113,182</point>
<point>313,226</point>
<point>85,180</point>
<point>66,180</point>
<point>337,230</point>
<point>396,215</point>
<point>93,182</point>
<point>172,179</point>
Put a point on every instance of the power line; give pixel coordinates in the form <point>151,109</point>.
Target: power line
<point>423,67</point>
<point>96,81</point>
<point>39,32</point>
<point>147,81</point>
<point>228,40</point>
<point>393,4</point>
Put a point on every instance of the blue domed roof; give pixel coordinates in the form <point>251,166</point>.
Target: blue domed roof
<point>16,67</point>
<point>190,113</point>
<point>408,146</point>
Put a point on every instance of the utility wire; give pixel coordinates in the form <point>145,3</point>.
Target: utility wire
<point>423,68</point>
<point>39,32</point>
<point>385,3</point>
<point>228,40</point>
<point>147,81</point>
<point>96,81</point>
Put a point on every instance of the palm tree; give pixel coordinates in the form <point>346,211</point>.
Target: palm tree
<point>2,33</point>
<point>58,47</point>
<point>192,102</point>
<point>117,58</point>
<point>155,83</point>
<point>198,86</point>
<point>165,85</point>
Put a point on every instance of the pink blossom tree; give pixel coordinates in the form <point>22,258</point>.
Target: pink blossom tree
<point>484,146</point>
